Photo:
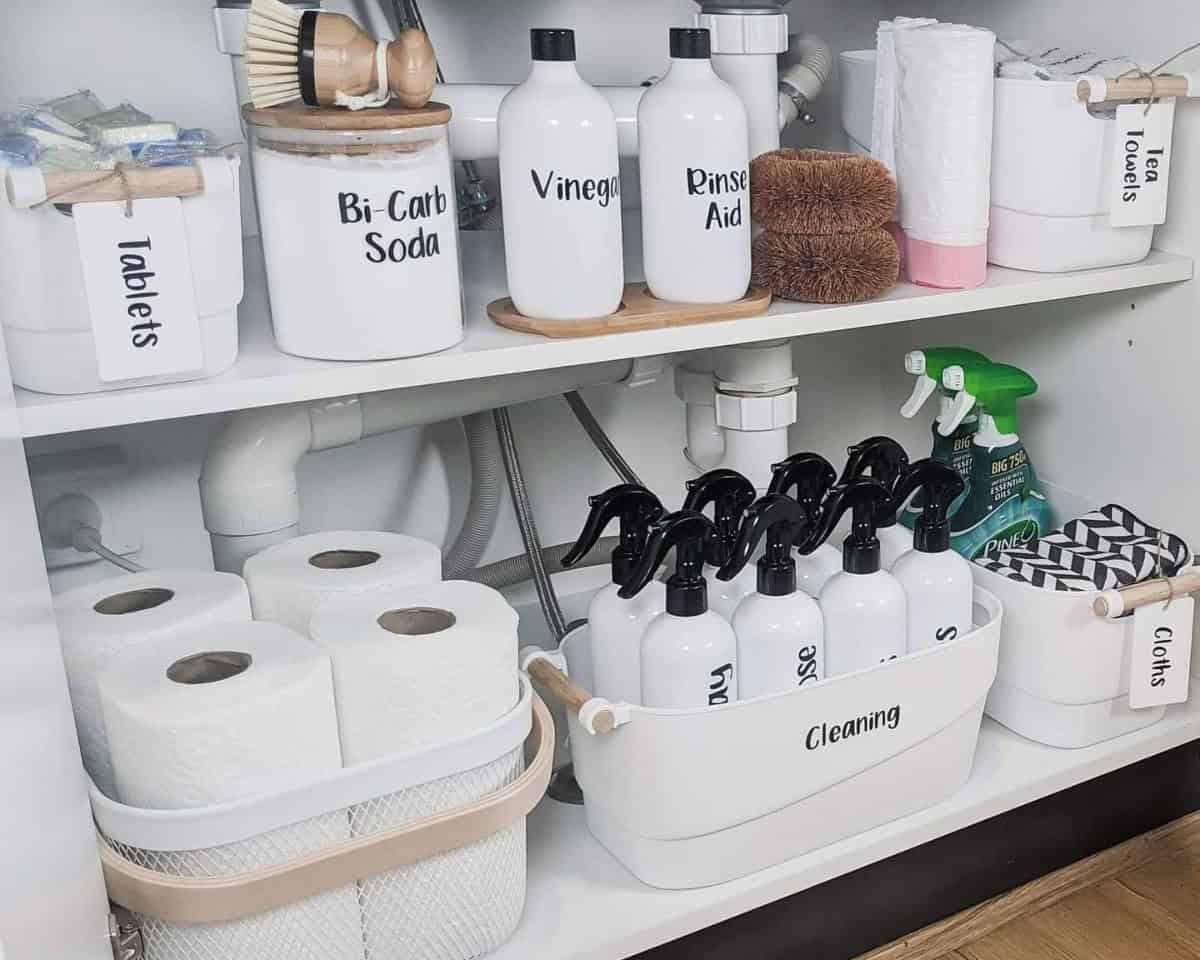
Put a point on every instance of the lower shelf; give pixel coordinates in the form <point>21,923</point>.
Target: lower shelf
<point>582,905</point>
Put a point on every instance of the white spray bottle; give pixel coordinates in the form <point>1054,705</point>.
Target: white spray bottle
<point>811,477</point>
<point>937,580</point>
<point>884,460</point>
<point>689,653</point>
<point>730,494</point>
<point>616,625</point>
<point>780,630</point>
<point>865,608</point>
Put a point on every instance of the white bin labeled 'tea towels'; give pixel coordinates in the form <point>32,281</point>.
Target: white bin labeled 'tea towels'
<point>689,798</point>
<point>360,230</point>
<point>100,295</point>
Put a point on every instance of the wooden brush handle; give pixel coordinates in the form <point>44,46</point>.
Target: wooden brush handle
<point>345,63</point>
<point>412,68</point>
<point>1138,88</point>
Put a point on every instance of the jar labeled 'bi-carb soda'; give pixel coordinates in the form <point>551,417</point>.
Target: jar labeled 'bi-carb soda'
<point>360,230</point>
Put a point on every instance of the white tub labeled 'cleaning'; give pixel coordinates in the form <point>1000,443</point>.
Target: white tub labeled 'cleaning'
<point>688,798</point>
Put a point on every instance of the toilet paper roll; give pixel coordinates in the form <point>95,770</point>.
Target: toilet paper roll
<point>221,714</point>
<point>945,76</point>
<point>99,620</point>
<point>417,666</point>
<point>414,667</point>
<point>289,581</point>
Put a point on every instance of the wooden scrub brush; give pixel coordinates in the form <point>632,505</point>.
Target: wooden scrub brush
<point>328,60</point>
<point>838,268</point>
<point>816,192</point>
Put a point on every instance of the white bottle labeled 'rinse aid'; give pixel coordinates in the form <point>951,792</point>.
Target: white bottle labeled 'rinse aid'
<point>615,625</point>
<point>561,189</point>
<point>865,608</point>
<point>780,630</point>
<point>937,581</point>
<point>689,653</point>
<point>693,147</point>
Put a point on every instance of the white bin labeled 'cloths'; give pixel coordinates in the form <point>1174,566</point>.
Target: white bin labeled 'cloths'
<point>49,325</point>
<point>99,620</point>
<point>219,715</point>
<point>689,798</point>
<point>360,230</point>
<point>415,667</point>
<point>288,581</point>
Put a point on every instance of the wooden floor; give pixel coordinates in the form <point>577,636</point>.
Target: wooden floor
<point>1150,913</point>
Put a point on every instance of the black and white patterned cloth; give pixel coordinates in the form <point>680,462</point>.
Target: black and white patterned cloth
<point>1104,550</point>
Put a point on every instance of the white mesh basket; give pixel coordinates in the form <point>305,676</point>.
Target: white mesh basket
<point>416,857</point>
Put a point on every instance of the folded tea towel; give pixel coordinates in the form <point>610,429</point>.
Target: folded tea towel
<point>1056,63</point>
<point>1103,550</point>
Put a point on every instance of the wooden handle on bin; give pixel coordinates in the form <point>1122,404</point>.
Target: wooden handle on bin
<point>1152,591</point>
<point>1137,88</point>
<point>191,901</point>
<point>130,183</point>
<point>570,694</point>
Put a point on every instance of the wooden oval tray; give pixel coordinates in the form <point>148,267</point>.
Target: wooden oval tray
<point>639,311</point>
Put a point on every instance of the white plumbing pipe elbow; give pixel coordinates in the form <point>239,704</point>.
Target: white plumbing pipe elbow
<point>249,494</point>
<point>248,482</point>
<point>474,108</point>
<point>705,440</point>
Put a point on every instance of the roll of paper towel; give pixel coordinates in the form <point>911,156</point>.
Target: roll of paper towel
<point>99,620</point>
<point>288,581</point>
<point>215,715</point>
<point>414,667</point>
<point>945,75</point>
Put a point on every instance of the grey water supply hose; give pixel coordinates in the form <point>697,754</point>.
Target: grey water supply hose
<point>553,613</point>
<point>596,432</point>
<point>483,508</point>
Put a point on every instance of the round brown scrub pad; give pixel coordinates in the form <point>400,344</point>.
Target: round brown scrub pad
<point>816,192</point>
<point>844,268</point>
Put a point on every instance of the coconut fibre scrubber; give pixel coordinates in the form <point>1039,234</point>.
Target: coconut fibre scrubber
<point>824,216</point>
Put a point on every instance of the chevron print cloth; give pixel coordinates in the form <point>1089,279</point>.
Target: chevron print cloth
<point>1104,550</point>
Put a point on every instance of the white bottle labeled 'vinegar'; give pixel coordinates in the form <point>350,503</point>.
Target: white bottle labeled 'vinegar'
<point>695,171</point>
<point>561,188</point>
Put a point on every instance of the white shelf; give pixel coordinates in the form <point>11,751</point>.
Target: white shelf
<point>263,376</point>
<point>583,905</point>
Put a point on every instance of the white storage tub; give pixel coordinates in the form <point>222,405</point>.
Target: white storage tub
<point>1063,676</point>
<point>1051,179</point>
<point>689,798</point>
<point>275,877</point>
<point>45,312</point>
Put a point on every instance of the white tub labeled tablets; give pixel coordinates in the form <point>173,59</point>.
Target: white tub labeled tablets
<point>561,187</point>
<point>360,231</point>
<point>695,163</point>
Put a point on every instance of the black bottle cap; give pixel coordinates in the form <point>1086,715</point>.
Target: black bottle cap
<point>552,44</point>
<point>942,485</point>
<point>687,590</point>
<point>784,523</point>
<point>636,508</point>
<point>731,495</point>
<point>860,552</point>
<point>886,461</point>
<point>690,43</point>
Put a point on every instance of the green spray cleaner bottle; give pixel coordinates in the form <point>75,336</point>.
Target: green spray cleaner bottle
<point>1004,506</point>
<point>927,366</point>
